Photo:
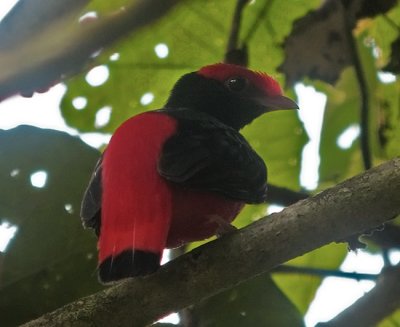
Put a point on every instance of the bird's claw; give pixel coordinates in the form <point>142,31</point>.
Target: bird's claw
<point>224,227</point>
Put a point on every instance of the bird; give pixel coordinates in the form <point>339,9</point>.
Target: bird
<point>181,173</point>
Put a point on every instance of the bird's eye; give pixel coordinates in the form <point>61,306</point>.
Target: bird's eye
<point>236,84</point>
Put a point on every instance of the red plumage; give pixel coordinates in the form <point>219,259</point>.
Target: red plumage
<point>140,209</point>
<point>136,205</point>
<point>173,176</point>
<point>222,72</point>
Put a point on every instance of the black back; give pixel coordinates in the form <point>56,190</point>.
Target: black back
<point>91,203</point>
<point>208,155</point>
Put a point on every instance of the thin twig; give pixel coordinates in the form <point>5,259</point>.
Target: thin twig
<point>233,40</point>
<point>258,20</point>
<point>235,53</point>
<point>286,269</point>
<point>374,306</point>
<point>386,258</point>
<point>363,87</point>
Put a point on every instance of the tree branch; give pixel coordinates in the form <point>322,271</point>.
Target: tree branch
<point>28,18</point>
<point>52,58</point>
<point>374,306</point>
<point>351,207</point>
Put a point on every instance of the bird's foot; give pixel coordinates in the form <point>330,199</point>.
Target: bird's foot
<point>223,226</point>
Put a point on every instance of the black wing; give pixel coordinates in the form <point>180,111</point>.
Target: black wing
<point>91,203</point>
<point>207,155</point>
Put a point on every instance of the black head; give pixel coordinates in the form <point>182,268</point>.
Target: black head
<point>232,94</point>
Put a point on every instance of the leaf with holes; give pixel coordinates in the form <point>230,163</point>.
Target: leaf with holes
<point>138,73</point>
<point>43,174</point>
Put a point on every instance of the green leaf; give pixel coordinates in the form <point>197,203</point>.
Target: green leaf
<point>392,321</point>
<point>300,289</point>
<point>138,69</point>
<point>265,47</point>
<point>199,40</point>
<point>101,6</point>
<point>341,113</point>
<point>51,256</point>
<point>389,121</point>
<point>257,302</point>
<point>382,33</point>
<point>279,138</point>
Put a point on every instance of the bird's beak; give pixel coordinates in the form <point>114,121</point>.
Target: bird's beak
<point>278,102</point>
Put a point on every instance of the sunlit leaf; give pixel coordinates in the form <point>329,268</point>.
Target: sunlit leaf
<point>279,138</point>
<point>392,321</point>
<point>300,289</point>
<point>382,33</point>
<point>341,113</point>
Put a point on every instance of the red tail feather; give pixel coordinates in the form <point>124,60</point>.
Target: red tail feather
<point>130,183</point>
